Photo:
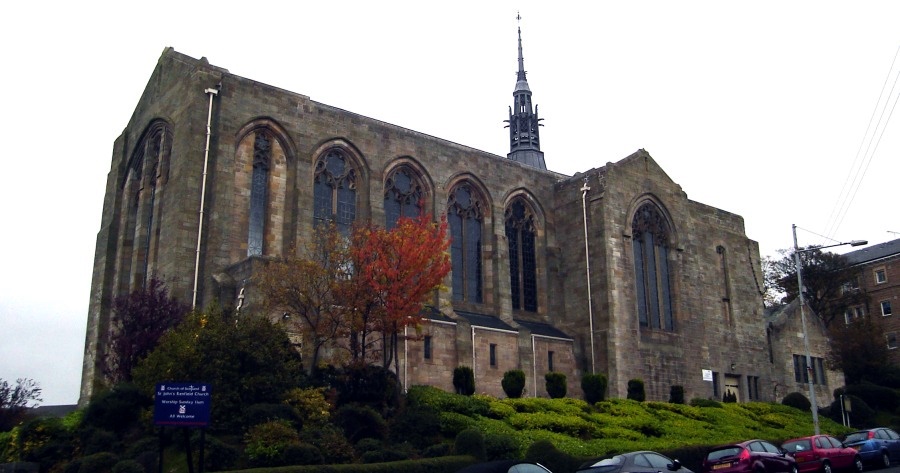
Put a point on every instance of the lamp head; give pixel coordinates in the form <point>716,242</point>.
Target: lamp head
<point>859,242</point>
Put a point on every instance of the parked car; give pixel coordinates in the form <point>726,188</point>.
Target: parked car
<point>823,453</point>
<point>751,456</point>
<point>879,446</point>
<point>634,462</point>
<point>505,466</point>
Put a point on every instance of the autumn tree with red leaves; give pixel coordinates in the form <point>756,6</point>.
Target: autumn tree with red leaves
<point>395,272</point>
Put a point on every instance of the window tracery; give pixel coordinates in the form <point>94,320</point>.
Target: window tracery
<point>520,236</point>
<point>465,217</point>
<point>650,244</point>
<point>334,190</point>
<point>403,196</point>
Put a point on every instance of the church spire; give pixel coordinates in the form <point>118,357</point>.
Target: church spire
<point>524,138</point>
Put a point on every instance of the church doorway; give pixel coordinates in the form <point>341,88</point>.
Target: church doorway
<point>733,386</point>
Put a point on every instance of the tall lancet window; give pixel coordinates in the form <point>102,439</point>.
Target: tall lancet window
<point>465,216</point>
<point>334,190</point>
<point>650,243</point>
<point>259,189</point>
<point>403,196</point>
<point>520,236</point>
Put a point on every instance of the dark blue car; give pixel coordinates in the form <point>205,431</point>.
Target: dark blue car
<point>879,446</point>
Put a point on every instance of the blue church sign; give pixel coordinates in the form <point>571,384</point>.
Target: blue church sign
<point>182,404</point>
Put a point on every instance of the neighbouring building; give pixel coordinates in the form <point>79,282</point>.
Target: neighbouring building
<point>671,294</point>
<point>878,269</point>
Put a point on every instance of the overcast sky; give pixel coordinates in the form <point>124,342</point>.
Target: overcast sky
<point>758,108</point>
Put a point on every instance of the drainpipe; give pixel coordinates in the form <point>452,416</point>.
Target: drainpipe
<point>212,93</point>
<point>587,265</point>
<point>473,353</point>
<point>534,364</point>
<point>405,359</point>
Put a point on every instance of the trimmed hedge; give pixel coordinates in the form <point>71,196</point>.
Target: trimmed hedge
<point>426,465</point>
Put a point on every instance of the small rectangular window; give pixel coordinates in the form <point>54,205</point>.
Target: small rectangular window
<point>880,276</point>
<point>891,340</point>
<point>853,313</point>
<point>715,385</point>
<point>427,348</point>
<point>550,361</point>
<point>493,354</point>
<point>885,308</point>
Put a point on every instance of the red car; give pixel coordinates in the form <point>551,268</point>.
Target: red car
<point>823,453</point>
<point>751,456</point>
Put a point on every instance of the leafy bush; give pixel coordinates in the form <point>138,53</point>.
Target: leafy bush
<point>443,401</point>
<point>97,463</point>
<point>555,384</point>
<point>700,402</point>
<point>636,390</point>
<point>797,400</point>
<point>359,422</point>
<point>116,409</point>
<point>128,466</point>
<point>442,449</point>
<point>877,397</point>
<point>310,405</point>
<point>676,394</point>
<point>501,446</point>
<point>470,442</point>
<point>594,387</point>
<point>370,385</point>
<point>419,425</point>
<point>267,441</point>
<point>545,453</point>
<point>331,442</point>
<point>301,454</point>
<point>513,383</point>
<point>265,412</point>
<point>464,380</point>
<point>219,456</point>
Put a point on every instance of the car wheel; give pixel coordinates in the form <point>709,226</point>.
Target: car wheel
<point>826,467</point>
<point>885,460</point>
<point>857,465</point>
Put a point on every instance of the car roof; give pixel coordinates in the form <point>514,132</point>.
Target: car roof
<point>496,466</point>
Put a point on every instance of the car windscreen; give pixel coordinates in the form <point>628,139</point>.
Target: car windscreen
<point>724,452</point>
<point>798,446</point>
<point>857,437</point>
<point>606,465</point>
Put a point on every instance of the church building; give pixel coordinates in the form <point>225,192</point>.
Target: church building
<point>613,270</point>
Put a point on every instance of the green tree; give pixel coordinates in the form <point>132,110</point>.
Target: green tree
<point>15,401</point>
<point>513,383</point>
<point>858,350</point>
<point>247,362</point>
<point>830,282</point>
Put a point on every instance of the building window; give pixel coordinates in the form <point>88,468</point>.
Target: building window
<point>726,287</point>
<point>801,373</point>
<point>334,191</point>
<point>427,348</point>
<point>650,243</point>
<point>549,361</point>
<point>853,313</point>
<point>403,196</point>
<point>494,355</point>
<point>891,340</point>
<point>753,388</point>
<point>259,184</point>
<point>850,286</point>
<point>520,235</point>
<point>715,382</point>
<point>880,276</point>
<point>885,308</point>
<point>464,214</point>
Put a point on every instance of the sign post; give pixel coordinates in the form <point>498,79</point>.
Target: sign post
<point>185,405</point>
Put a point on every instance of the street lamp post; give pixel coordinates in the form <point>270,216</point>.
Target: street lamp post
<point>813,405</point>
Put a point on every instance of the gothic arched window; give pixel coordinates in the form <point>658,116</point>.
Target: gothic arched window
<point>650,243</point>
<point>259,190</point>
<point>520,235</point>
<point>403,195</point>
<point>465,217</point>
<point>334,190</point>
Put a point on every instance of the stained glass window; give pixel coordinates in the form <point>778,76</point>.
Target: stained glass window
<point>520,235</point>
<point>334,191</point>
<point>403,194</point>
<point>262,148</point>
<point>464,215</point>
<point>650,246</point>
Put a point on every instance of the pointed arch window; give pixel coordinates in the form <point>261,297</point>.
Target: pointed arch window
<point>465,217</point>
<point>650,243</point>
<point>403,196</point>
<point>334,190</point>
<point>520,235</point>
<point>259,189</point>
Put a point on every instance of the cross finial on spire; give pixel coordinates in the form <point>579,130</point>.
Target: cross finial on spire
<point>518,17</point>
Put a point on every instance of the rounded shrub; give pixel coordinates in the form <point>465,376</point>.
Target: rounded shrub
<point>266,442</point>
<point>676,394</point>
<point>877,397</point>
<point>418,425</point>
<point>103,461</point>
<point>501,446</point>
<point>370,385</point>
<point>594,387</point>
<point>301,454</point>
<point>470,442</point>
<point>265,412</point>
<point>464,380</point>
<point>796,400</point>
<point>513,383</point>
<point>700,402</point>
<point>636,390</point>
<point>128,466</point>
<point>556,384</point>
<point>359,422</point>
<point>116,409</point>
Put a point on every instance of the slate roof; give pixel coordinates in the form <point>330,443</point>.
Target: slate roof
<point>547,330</point>
<point>488,321</point>
<point>431,313</point>
<point>873,252</point>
